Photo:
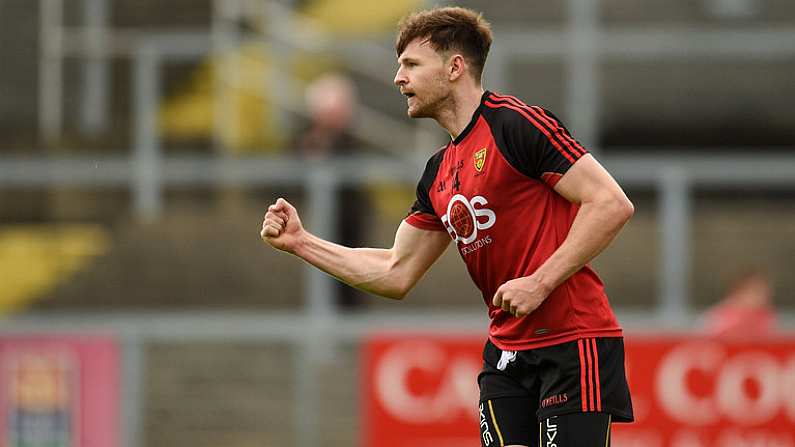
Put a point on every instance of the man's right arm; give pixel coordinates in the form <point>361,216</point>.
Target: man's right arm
<point>387,272</point>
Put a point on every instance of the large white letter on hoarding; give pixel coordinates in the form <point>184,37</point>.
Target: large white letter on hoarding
<point>453,395</point>
<point>760,368</point>
<point>671,385</point>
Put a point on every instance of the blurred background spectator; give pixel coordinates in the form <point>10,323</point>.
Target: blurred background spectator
<point>331,102</point>
<point>746,310</point>
<point>331,105</point>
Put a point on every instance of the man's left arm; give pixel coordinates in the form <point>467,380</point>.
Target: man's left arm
<point>603,211</point>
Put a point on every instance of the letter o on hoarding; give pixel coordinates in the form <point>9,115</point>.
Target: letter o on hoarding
<point>732,396</point>
<point>671,385</point>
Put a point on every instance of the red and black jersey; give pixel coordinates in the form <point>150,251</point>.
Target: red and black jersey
<point>492,190</point>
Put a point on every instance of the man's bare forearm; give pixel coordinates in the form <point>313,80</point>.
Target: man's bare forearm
<point>368,269</point>
<point>386,272</point>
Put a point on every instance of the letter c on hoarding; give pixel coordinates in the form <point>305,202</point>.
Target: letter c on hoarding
<point>672,390</point>
<point>457,391</point>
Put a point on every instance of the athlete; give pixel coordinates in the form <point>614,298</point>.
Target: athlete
<point>528,208</point>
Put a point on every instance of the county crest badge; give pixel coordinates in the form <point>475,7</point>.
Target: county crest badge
<point>480,159</point>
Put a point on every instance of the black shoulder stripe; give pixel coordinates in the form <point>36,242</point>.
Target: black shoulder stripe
<point>498,120</point>
<point>543,123</point>
<point>530,138</point>
<point>565,136</point>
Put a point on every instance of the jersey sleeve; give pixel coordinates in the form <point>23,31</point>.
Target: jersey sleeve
<point>539,145</point>
<point>422,214</point>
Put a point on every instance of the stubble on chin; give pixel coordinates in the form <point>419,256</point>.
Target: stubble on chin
<point>426,110</point>
<point>417,112</point>
<point>433,102</point>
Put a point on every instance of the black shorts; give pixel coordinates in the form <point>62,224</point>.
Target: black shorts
<point>520,390</point>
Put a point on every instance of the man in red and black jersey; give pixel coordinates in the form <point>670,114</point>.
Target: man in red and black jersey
<point>528,208</point>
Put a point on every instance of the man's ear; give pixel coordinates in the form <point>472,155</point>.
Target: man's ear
<point>456,67</point>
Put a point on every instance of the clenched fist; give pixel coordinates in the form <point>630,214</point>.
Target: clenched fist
<point>281,227</point>
<point>520,296</point>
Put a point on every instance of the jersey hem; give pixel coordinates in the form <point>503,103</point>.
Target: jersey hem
<point>523,345</point>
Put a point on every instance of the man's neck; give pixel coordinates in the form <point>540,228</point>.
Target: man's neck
<point>463,104</point>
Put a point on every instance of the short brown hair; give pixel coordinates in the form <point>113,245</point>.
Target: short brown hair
<point>449,28</point>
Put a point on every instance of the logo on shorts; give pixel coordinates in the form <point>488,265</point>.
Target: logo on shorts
<point>555,400</point>
<point>552,432</point>
<point>480,159</point>
<point>484,427</point>
<point>505,358</point>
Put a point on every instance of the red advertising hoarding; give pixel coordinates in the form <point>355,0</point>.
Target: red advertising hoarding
<point>420,390</point>
<point>694,392</point>
<point>58,391</point>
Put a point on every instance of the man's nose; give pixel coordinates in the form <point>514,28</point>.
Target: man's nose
<point>400,78</point>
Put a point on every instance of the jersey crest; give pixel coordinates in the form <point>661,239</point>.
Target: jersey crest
<point>480,159</point>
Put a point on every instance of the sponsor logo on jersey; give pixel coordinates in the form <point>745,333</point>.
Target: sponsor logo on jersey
<point>477,245</point>
<point>480,159</point>
<point>465,217</point>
